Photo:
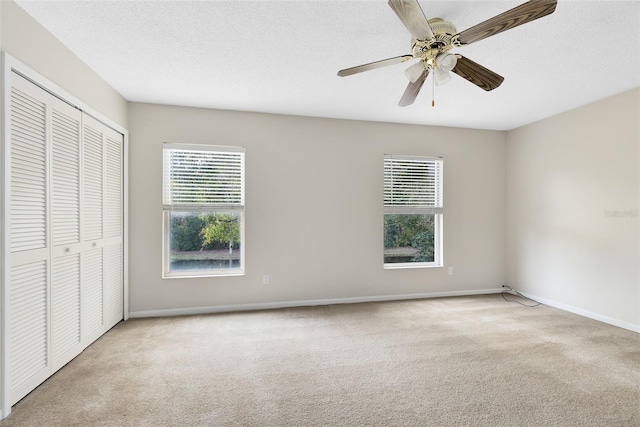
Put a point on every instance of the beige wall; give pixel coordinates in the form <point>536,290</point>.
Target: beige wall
<point>314,207</point>
<point>567,176</point>
<point>26,40</point>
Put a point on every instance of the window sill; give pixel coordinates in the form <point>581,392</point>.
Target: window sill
<point>195,275</point>
<point>411,265</point>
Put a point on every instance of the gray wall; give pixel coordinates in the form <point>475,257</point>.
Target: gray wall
<point>314,207</point>
<point>573,199</point>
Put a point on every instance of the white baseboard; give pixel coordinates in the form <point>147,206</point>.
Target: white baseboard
<point>585,313</point>
<point>302,303</point>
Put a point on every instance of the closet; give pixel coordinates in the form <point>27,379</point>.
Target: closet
<point>64,234</point>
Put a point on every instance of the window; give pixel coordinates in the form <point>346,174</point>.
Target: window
<point>203,210</point>
<point>412,211</point>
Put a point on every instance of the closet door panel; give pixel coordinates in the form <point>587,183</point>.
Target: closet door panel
<point>114,255</point>
<point>65,213</point>
<point>114,291</point>
<point>28,214</point>
<point>28,329</point>
<point>93,179</point>
<point>93,302</point>
<point>93,307</point>
<point>27,242</point>
<point>65,175</point>
<point>65,309</point>
<point>113,214</point>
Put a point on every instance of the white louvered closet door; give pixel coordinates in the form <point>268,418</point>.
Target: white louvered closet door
<point>65,215</point>
<point>93,308</point>
<point>114,227</point>
<point>64,196</point>
<point>28,241</point>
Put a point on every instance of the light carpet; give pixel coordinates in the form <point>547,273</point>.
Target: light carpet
<point>464,361</point>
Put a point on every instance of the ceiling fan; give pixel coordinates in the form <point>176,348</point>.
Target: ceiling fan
<point>434,38</point>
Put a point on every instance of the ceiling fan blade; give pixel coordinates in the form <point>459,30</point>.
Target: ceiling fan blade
<point>413,18</point>
<point>477,74</point>
<point>374,65</point>
<point>527,12</point>
<point>412,90</point>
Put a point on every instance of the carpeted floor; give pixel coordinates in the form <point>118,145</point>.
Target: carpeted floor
<point>465,361</point>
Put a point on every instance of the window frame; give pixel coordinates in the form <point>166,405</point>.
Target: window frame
<point>436,208</point>
<point>167,209</point>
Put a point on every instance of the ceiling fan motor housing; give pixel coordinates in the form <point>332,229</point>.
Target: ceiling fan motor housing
<point>427,50</point>
<point>439,26</point>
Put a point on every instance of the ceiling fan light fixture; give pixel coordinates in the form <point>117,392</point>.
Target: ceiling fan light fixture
<point>441,77</point>
<point>414,72</point>
<point>446,62</point>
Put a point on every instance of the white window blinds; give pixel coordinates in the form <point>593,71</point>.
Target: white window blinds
<point>412,184</point>
<point>203,177</point>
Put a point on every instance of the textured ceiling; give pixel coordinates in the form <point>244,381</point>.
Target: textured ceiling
<point>282,56</point>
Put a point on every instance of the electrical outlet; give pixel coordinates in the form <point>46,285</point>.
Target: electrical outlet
<point>450,271</point>
<point>265,279</point>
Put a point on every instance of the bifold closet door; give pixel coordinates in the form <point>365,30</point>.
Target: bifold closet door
<point>65,215</point>
<point>103,255</point>
<point>64,195</point>
<point>103,228</point>
<point>28,240</point>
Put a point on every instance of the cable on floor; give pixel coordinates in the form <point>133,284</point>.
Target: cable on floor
<point>510,291</point>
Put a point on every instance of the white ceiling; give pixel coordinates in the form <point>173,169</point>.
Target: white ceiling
<point>282,56</point>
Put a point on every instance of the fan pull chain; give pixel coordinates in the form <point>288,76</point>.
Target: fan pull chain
<point>433,90</point>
